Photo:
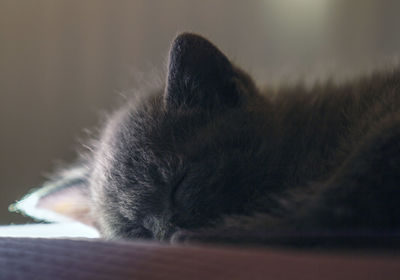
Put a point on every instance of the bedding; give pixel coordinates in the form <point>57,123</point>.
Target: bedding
<point>56,258</point>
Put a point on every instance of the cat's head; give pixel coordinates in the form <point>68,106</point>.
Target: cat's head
<point>177,159</point>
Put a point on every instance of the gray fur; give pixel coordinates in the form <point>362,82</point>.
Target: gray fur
<point>210,158</point>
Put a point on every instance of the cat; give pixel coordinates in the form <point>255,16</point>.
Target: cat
<point>210,158</point>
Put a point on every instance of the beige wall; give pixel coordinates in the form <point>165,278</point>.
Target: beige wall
<point>62,61</point>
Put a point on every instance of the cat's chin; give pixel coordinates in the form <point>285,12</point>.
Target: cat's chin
<point>203,237</point>
<point>180,237</point>
<point>186,237</point>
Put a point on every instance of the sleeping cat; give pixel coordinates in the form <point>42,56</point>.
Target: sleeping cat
<point>211,158</point>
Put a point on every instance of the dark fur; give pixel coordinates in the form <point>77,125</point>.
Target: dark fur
<point>211,158</point>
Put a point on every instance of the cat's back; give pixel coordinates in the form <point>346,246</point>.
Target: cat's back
<point>319,126</point>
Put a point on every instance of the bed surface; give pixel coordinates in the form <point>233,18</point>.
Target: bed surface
<point>52,258</point>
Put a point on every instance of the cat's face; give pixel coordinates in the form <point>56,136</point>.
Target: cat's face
<point>181,158</point>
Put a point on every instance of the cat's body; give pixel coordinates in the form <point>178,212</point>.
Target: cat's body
<point>211,158</point>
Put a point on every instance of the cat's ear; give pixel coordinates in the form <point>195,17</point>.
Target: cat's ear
<point>199,75</point>
<point>65,198</point>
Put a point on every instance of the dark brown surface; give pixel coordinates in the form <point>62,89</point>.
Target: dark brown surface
<point>24,258</point>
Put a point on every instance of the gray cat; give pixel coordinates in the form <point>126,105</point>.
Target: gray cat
<point>210,158</point>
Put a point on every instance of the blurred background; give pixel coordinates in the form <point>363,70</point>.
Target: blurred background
<point>64,61</point>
